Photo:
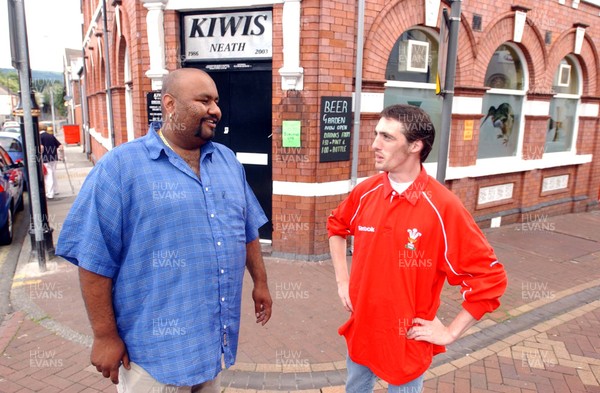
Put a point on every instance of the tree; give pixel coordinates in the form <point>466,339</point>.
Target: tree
<point>58,91</point>
<point>10,80</point>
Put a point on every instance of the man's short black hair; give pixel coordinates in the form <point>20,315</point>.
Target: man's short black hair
<point>416,124</point>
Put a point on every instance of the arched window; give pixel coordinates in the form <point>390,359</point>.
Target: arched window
<point>563,107</point>
<point>411,74</point>
<point>502,105</point>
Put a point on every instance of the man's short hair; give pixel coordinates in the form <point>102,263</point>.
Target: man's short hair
<point>416,123</point>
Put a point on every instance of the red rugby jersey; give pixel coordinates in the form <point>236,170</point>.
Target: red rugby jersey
<point>405,247</point>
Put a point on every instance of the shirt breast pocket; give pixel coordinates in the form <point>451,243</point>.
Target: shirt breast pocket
<point>231,209</point>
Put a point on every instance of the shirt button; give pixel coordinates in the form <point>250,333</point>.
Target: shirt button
<point>222,271</point>
<point>218,243</point>
<point>222,299</point>
<point>224,326</point>
<point>206,188</point>
<point>212,216</point>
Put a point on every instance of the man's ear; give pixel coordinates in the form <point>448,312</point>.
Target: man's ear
<point>168,103</point>
<point>416,146</point>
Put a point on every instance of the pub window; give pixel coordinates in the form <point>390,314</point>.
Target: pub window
<point>411,75</point>
<point>500,127</point>
<point>563,106</point>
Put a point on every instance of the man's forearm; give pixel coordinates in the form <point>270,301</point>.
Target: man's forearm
<point>337,248</point>
<point>97,295</point>
<point>260,294</point>
<point>461,323</point>
<point>255,263</point>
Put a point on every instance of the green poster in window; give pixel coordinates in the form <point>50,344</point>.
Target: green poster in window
<point>290,130</point>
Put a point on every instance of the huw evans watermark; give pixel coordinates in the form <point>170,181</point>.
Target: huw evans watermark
<point>167,259</point>
<point>535,290</point>
<point>167,190</point>
<point>41,358</point>
<point>290,290</point>
<point>536,222</point>
<point>538,358</point>
<point>409,258</point>
<point>45,290</point>
<point>290,223</point>
<point>291,358</point>
<point>167,327</point>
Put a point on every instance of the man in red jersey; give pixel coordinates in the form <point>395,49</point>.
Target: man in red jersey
<point>410,235</point>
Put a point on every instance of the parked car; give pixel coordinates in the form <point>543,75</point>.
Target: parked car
<point>12,130</point>
<point>11,194</point>
<point>11,142</point>
<point>10,124</point>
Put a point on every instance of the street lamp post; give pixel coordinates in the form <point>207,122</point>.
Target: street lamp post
<point>48,243</point>
<point>29,112</point>
<point>448,91</point>
<point>52,109</point>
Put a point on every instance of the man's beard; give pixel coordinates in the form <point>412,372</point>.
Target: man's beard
<point>207,136</point>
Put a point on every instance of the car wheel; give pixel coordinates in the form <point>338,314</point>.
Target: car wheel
<point>6,234</point>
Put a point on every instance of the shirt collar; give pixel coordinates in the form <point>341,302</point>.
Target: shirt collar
<point>155,145</point>
<point>153,142</point>
<point>413,192</point>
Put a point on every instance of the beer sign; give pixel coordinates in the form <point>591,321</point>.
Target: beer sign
<point>336,124</point>
<point>228,36</point>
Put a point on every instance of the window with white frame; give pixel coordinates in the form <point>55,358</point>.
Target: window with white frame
<point>502,104</point>
<point>563,107</point>
<point>411,75</point>
<point>128,96</point>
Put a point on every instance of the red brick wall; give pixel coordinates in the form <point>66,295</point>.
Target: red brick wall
<point>463,152</point>
<point>475,51</point>
<point>327,53</point>
<point>328,58</point>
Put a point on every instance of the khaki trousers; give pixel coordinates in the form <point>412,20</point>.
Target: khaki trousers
<point>137,380</point>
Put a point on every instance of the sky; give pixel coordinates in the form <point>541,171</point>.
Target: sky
<point>52,25</point>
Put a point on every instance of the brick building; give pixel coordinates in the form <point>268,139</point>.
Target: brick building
<point>524,139</point>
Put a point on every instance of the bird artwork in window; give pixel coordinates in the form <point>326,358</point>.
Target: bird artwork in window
<point>503,118</point>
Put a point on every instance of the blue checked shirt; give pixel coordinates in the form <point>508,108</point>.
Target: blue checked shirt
<point>175,247</point>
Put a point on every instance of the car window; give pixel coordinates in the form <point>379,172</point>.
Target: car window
<point>10,144</point>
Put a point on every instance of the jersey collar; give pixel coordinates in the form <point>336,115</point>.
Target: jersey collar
<point>413,192</point>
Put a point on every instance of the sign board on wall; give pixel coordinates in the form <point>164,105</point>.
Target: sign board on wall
<point>290,133</point>
<point>468,130</point>
<point>336,123</point>
<point>228,36</point>
<point>153,107</point>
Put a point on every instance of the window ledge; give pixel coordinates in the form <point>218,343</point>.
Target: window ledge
<point>592,2</point>
<point>505,165</point>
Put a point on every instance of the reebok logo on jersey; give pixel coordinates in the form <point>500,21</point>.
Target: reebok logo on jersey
<point>365,229</point>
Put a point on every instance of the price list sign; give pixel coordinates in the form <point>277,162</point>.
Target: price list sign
<point>336,123</point>
<point>153,106</point>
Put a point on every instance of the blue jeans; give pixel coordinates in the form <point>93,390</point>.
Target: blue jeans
<point>362,380</point>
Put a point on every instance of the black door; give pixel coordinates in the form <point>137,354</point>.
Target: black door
<point>245,127</point>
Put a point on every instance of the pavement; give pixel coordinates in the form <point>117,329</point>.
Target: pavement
<point>545,337</point>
